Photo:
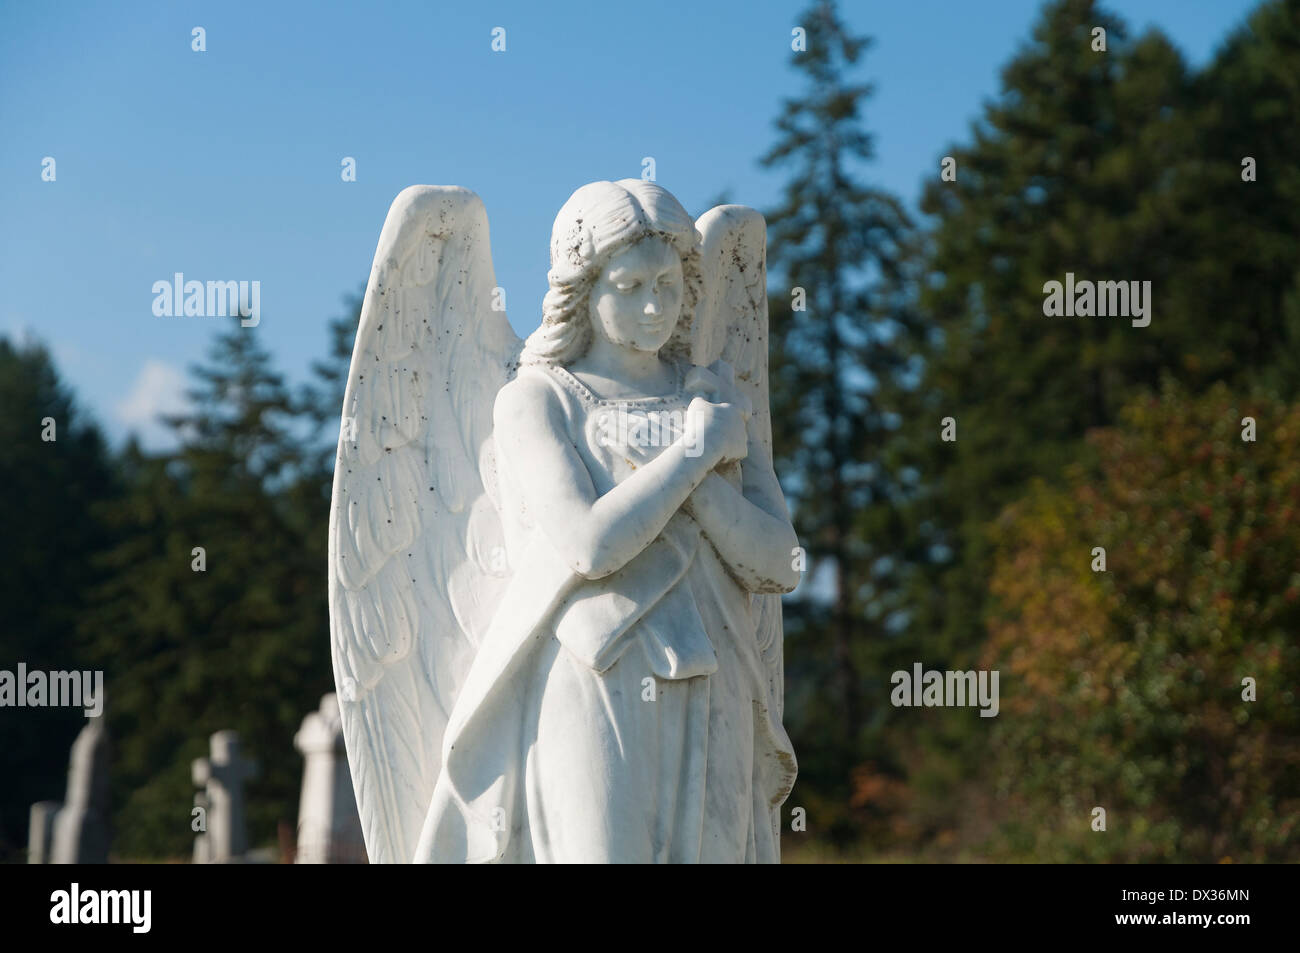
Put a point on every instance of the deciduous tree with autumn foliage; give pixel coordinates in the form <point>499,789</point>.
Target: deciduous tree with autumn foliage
<point>1127,689</point>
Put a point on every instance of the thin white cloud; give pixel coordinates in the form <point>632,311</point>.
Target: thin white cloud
<point>159,388</point>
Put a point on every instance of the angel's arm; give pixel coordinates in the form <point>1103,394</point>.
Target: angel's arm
<point>750,529</point>
<point>596,535</point>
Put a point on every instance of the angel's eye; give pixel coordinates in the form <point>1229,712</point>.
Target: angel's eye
<point>626,286</point>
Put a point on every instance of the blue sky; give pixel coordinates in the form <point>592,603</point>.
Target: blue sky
<point>225,164</point>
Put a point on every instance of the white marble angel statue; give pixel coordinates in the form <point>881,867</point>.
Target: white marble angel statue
<point>555,565</point>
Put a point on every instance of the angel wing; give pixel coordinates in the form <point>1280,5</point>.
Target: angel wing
<point>731,323</point>
<point>416,551</point>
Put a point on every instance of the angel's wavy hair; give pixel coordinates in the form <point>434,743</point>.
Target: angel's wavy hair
<point>598,221</point>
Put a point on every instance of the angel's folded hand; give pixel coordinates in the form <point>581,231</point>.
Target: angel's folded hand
<point>717,383</point>
<point>715,430</point>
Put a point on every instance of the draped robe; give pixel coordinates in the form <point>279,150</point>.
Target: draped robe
<point>625,719</point>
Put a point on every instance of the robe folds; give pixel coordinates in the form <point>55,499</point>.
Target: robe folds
<point>626,719</point>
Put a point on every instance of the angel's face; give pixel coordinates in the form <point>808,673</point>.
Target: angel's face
<point>637,297</point>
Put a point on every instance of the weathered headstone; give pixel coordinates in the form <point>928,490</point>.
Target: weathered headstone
<point>329,827</point>
<point>222,775</point>
<point>40,831</point>
<point>202,855</point>
<point>81,832</point>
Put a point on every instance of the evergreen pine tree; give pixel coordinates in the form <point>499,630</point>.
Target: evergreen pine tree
<point>839,315</point>
<point>241,644</point>
<point>51,535</point>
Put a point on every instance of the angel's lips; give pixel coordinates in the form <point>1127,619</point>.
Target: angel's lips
<point>653,326</point>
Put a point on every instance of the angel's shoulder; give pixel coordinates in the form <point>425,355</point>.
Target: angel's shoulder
<point>531,400</point>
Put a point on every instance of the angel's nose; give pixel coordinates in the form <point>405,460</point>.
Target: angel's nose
<point>652,307</point>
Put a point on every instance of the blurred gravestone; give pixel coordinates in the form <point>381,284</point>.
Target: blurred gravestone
<point>81,831</point>
<point>201,853</point>
<point>40,832</point>
<point>329,827</point>
<point>222,775</point>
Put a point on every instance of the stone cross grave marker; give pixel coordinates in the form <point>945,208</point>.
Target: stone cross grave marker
<point>223,774</point>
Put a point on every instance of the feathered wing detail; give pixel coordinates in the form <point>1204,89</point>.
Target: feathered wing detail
<point>416,552</point>
<point>731,324</point>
